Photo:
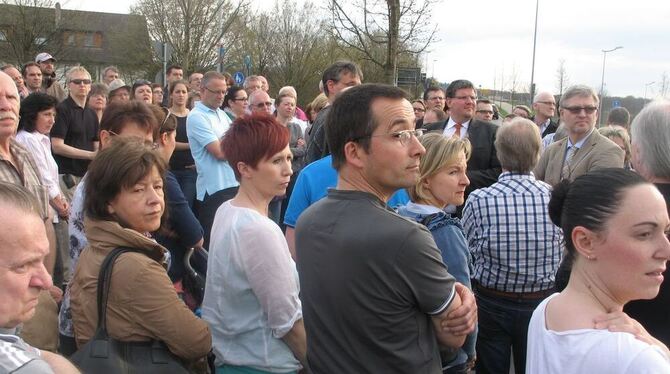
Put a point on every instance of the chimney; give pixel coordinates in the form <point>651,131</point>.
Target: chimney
<point>58,15</point>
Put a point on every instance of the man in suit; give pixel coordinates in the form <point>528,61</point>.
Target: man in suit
<point>544,106</point>
<point>483,165</point>
<point>584,149</point>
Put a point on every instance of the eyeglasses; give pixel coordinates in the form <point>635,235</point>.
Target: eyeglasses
<point>403,136</point>
<point>162,129</point>
<point>473,98</point>
<point>262,105</point>
<point>547,103</point>
<point>215,92</point>
<point>485,111</point>
<point>578,109</point>
<point>419,110</point>
<point>241,99</point>
<point>80,81</point>
<point>142,82</point>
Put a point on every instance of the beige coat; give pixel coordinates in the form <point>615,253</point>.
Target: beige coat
<point>597,152</point>
<point>142,304</point>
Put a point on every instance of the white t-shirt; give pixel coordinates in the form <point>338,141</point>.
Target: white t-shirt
<point>588,351</point>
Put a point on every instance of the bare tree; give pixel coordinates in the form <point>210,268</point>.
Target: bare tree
<point>382,30</point>
<point>514,83</point>
<point>663,85</point>
<point>193,28</point>
<point>562,78</point>
<point>32,29</point>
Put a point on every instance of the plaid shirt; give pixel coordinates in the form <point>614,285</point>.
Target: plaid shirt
<point>515,246</point>
<point>25,174</point>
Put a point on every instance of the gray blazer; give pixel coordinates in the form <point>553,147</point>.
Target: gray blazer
<point>598,152</point>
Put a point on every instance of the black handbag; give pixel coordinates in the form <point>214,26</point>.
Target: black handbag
<point>106,355</point>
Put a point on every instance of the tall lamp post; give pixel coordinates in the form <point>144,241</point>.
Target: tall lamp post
<point>646,85</point>
<point>532,69</point>
<point>602,83</point>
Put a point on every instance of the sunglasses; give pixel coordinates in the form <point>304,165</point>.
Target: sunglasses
<point>80,81</point>
<point>578,109</point>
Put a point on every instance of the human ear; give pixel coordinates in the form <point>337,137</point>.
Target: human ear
<point>584,241</point>
<point>354,154</point>
<point>244,169</point>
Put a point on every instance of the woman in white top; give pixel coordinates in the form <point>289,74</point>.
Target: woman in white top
<point>251,296</point>
<point>38,114</point>
<point>615,226</point>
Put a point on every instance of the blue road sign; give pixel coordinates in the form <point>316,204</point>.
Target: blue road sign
<point>239,78</point>
<point>616,103</point>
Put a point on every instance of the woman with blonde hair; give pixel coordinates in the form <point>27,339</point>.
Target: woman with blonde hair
<point>620,136</point>
<point>442,181</point>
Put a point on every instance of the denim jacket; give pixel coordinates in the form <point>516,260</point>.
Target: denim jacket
<point>449,238</point>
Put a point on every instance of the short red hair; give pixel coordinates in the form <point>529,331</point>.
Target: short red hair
<point>253,138</point>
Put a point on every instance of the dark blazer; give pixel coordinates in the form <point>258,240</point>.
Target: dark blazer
<point>550,129</point>
<point>597,152</point>
<point>483,165</point>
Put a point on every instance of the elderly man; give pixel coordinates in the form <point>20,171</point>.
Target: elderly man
<point>336,77</point>
<point>385,300</point>
<point>119,91</point>
<point>584,149</point>
<point>109,74</point>
<point>651,136</point>
<point>74,137</point>
<point>516,249</point>
<point>23,247</point>
<point>205,125</point>
<point>260,102</point>
<point>252,83</point>
<point>15,74</point>
<point>544,106</point>
<point>50,84</point>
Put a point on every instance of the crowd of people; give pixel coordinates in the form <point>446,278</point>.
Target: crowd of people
<point>368,232</point>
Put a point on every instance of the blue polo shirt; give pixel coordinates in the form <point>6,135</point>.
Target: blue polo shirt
<point>203,126</point>
<point>313,184</point>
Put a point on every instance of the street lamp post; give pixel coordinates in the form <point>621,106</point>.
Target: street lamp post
<point>532,69</point>
<point>602,83</point>
<point>646,85</point>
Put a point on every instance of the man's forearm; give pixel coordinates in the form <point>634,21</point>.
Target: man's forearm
<point>72,152</point>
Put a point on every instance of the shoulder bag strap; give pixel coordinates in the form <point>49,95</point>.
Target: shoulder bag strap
<point>104,282</point>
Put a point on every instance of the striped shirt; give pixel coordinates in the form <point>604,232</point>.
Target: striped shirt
<point>25,173</point>
<point>16,356</point>
<point>515,246</point>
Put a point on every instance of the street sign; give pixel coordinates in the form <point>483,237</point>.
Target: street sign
<point>239,78</point>
<point>616,103</point>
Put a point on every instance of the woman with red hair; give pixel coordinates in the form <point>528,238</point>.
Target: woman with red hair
<point>251,297</point>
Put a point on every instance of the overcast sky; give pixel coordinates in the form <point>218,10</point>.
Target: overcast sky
<point>481,40</point>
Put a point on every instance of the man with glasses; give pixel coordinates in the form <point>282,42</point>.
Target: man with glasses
<point>434,97</point>
<point>205,126</point>
<point>260,102</point>
<point>483,165</point>
<point>50,84</point>
<point>484,110</point>
<point>74,136</point>
<point>376,296</point>
<point>544,106</point>
<point>583,149</point>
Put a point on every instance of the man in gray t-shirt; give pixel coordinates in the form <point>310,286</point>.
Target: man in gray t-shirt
<point>23,247</point>
<point>376,295</point>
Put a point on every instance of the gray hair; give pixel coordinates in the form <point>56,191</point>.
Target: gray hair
<point>18,197</point>
<point>98,89</point>
<point>539,95</point>
<point>581,91</point>
<point>249,79</point>
<point>650,132</point>
<point>110,68</point>
<point>518,145</point>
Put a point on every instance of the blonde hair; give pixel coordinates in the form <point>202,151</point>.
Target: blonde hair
<point>616,131</point>
<point>319,102</point>
<point>441,151</point>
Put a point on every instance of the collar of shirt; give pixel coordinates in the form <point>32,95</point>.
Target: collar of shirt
<point>544,125</point>
<point>205,108</point>
<point>422,208</point>
<point>452,123</point>
<point>580,143</point>
<point>508,175</point>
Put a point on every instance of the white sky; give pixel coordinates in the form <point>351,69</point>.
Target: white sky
<point>480,40</point>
